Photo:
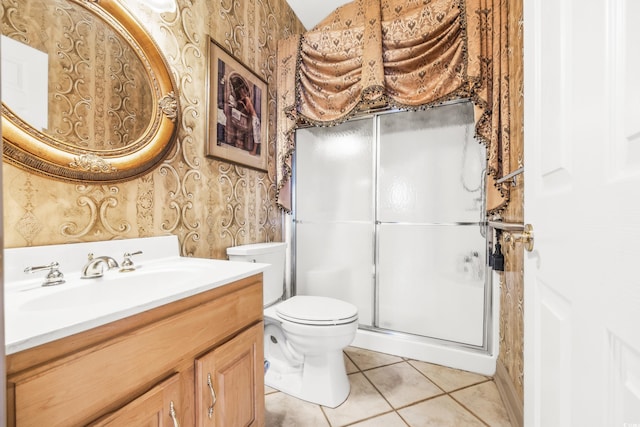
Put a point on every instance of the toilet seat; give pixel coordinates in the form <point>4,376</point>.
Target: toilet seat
<point>314,310</point>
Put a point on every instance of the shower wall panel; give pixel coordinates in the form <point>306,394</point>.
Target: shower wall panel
<point>334,214</point>
<point>431,281</point>
<point>430,166</point>
<point>335,260</point>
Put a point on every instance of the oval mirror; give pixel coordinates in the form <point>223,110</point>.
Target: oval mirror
<point>86,93</point>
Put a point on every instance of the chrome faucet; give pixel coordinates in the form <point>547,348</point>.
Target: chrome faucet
<point>95,266</point>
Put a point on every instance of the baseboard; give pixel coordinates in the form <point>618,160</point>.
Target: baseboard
<point>510,398</point>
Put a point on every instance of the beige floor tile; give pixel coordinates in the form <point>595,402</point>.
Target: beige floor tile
<point>269,390</point>
<point>283,410</point>
<point>387,420</point>
<point>349,365</point>
<point>442,411</point>
<point>363,402</point>
<point>401,384</point>
<point>484,401</point>
<point>448,379</point>
<point>366,359</point>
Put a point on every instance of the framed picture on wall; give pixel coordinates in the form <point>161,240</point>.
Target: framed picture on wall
<point>237,111</point>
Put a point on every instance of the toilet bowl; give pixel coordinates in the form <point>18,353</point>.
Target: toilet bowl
<point>309,364</point>
<point>304,336</point>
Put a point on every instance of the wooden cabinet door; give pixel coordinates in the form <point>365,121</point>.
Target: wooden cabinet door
<point>155,408</point>
<point>230,382</point>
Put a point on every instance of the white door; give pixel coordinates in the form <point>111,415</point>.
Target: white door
<point>582,195</point>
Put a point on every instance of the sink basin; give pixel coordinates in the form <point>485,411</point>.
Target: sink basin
<point>35,315</point>
<point>111,288</point>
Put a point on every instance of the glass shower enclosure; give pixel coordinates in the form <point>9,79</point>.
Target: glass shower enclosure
<point>388,215</point>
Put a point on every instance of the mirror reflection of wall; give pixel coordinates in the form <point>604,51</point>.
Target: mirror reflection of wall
<point>25,74</point>
<point>98,89</point>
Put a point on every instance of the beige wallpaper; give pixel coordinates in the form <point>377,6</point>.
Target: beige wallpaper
<point>512,280</point>
<point>209,204</point>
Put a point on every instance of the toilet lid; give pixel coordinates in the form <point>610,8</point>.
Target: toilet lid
<point>312,310</point>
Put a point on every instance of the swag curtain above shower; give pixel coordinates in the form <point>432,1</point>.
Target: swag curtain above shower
<point>407,54</point>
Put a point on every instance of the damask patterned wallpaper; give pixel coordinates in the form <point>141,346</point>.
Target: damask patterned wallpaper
<point>208,203</point>
<point>512,280</point>
<point>102,105</point>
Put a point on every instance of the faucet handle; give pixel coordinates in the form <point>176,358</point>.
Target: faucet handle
<point>54,277</point>
<point>127,264</point>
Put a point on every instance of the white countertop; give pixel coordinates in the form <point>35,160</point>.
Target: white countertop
<point>35,315</point>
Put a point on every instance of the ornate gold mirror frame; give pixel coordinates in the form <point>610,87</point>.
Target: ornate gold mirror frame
<point>28,148</point>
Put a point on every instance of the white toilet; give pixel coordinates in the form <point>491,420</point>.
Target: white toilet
<point>304,335</point>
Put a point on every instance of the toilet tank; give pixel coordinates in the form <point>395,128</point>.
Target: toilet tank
<point>268,253</point>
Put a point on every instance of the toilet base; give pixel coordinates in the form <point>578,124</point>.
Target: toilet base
<point>321,379</point>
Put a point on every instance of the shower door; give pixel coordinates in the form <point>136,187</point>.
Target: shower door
<point>387,216</point>
<point>334,214</point>
<point>431,253</point>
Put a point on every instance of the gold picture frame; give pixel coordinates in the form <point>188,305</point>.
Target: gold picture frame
<point>237,111</point>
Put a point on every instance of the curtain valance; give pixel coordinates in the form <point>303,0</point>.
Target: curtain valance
<point>403,54</point>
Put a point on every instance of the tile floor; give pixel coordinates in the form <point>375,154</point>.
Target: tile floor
<point>390,391</point>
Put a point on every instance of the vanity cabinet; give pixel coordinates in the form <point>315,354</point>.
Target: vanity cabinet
<point>150,368</point>
<point>226,389</point>
<point>155,408</point>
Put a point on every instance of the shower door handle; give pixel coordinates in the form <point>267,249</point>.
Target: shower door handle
<point>525,237</point>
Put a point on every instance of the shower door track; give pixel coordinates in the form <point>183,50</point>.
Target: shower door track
<point>445,224</point>
<point>426,339</point>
